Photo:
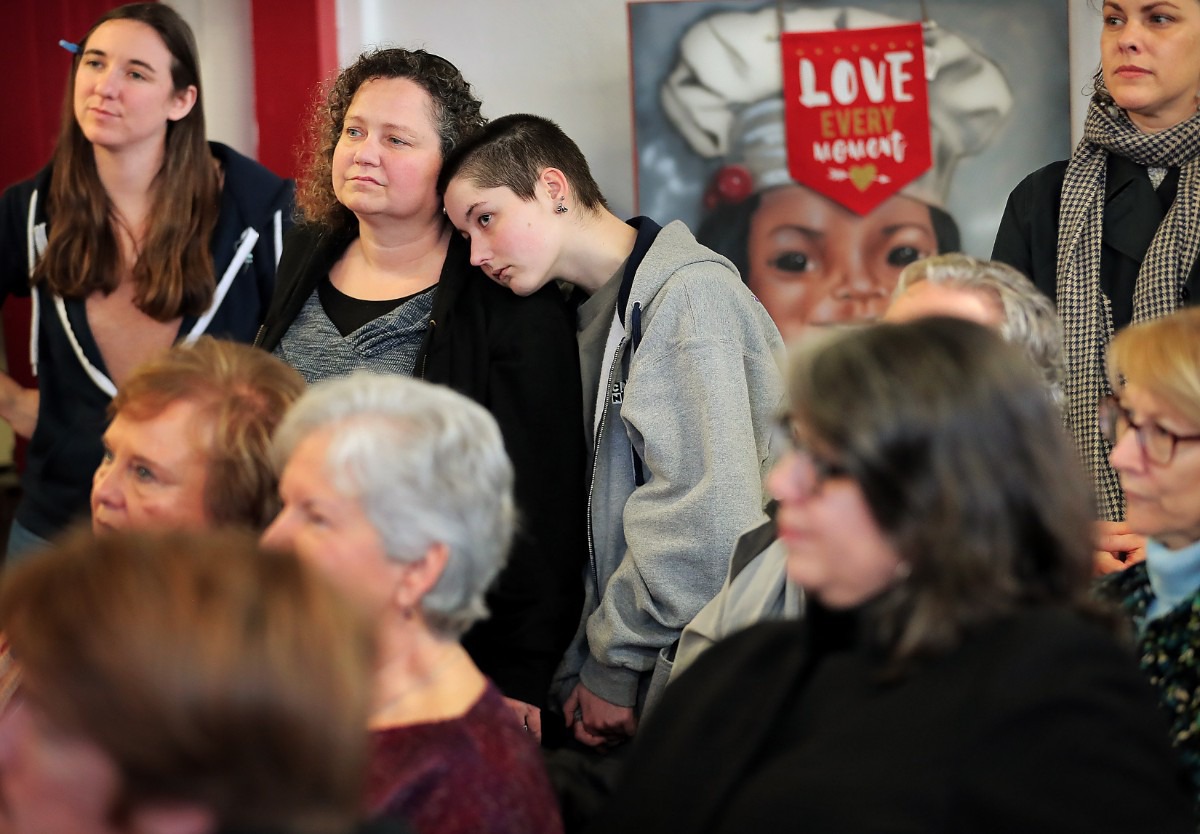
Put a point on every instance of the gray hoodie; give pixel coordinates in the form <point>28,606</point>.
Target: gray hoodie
<point>697,406</point>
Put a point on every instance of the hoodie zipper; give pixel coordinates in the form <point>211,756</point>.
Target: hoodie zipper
<point>595,462</point>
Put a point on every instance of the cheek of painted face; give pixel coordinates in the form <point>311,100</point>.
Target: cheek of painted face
<point>52,782</point>
<point>813,262</point>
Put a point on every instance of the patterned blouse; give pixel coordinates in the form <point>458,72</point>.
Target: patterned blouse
<point>1167,648</point>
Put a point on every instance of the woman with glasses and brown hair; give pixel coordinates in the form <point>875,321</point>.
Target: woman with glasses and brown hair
<point>1154,369</point>
<point>951,671</point>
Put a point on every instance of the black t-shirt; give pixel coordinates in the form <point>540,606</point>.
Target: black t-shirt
<point>348,313</point>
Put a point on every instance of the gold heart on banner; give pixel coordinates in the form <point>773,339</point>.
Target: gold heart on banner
<point>862,176</point>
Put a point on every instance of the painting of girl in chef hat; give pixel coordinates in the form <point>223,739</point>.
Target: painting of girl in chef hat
<point>808,259</point>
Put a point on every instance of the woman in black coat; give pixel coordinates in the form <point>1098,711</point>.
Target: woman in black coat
<point>1112,235</point>
<point>951,673</point>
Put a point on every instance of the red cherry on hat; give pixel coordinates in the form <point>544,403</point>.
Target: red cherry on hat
<point>731,184</point>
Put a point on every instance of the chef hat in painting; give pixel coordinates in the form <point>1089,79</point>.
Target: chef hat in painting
<point>725,95</point>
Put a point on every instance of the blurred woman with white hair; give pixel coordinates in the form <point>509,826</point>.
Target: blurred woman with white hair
<point>402,492</point>
<point>990,293</point>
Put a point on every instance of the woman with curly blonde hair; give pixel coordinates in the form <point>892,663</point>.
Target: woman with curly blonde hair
<point>376,279</point>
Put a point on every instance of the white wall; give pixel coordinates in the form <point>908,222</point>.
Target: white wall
<point>222,29</point>
<point>1085,58</point>
<point>568,59</point>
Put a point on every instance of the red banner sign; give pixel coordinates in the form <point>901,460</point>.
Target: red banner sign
<point>857,111</point>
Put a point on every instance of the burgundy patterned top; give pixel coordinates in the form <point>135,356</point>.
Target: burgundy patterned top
<point>478,774</point>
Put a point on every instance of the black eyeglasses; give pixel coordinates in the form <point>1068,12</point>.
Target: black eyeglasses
<point>822,469</point>
<point>1158,444</point>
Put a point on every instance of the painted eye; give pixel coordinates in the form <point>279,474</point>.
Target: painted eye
<point>485,219</point>
<point>792,262</point>
<point>903,256</point>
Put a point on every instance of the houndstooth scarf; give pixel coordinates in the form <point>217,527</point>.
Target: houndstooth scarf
<point>1084,309</point>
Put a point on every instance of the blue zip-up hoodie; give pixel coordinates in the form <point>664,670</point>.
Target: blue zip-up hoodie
<point>74,386</point>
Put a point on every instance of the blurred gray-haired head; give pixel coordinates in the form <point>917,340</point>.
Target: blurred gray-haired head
<point>1028,318</point>
<point>428,466</point>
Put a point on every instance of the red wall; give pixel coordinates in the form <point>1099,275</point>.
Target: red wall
<point>39,67</point>
<point>32,58</point>
<point>295,48</point>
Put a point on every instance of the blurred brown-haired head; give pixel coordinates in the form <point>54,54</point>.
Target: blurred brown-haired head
<point>210,672</point>
<point>964,465</point>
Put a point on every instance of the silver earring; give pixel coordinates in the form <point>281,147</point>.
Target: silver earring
<point>560,209</point>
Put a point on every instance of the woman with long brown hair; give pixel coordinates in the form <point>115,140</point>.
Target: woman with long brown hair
<point>138,234</point>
